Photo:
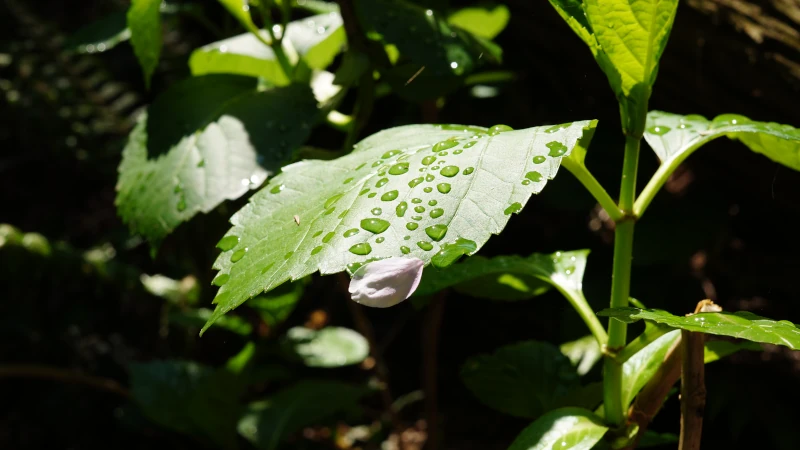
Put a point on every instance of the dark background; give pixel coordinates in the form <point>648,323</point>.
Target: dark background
<point>725,226</point>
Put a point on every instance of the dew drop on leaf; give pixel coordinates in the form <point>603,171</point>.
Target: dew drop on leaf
<point>411,226</point>
<point>437,212</point>
<point>389,196</point>
<point>415,182</point>
<point>428,189</point>
<point>266,269</point>
<point>442,154</point>
<point>181,204</point>
<point>401,209</point>
<point>432,202</point>
<point>327,238</point>
<point>382,182</point>
<point>228,243</point>
<point>497,129</point>
<point>450,171</point>
<point>405,250</point>
<point>659,130</point>
<point>329,202</point>
<point>458,152</point>
<point>379,240</point>
<point>534,176</point>
<point>444,145</point>
<point>372,195</point>
<point>419,209</point>
<point>390,153</point>
<point>351,232</point>
<point>343,213</point>
<point>330,211</point>
<point>376,226</point>
<point>288,255</point>
<point>317,233</point>
<point>429,177</point>
<point>417,218</point>
<point>238,254</point>
<point>361,249</point>
<point>364,191</point>
<point>399,168</point>
<point>347,181</point>
<point>427,246</point>
<point>436,232</point>
<point>221,279</point>
<point>428,160</point>
<point>316,250</point>
<point>444,188</point>
<point>526,182</point>
<point>376,211</point>
<point>512,208</point>
<point>556,148</point>
<point>539,159</point>
<point>470,144</point>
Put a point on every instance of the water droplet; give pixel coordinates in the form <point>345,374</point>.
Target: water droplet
<point>417,218</point>
<point>451,252</point>
<point>405,238</point>
<point>288,255</point>
<point>377,163</point>
<point>379,240</point>
<point>405,250</point>
<point>450,171</point>
<point>427,246</point>
<point>553,129</point>
<point>512,208</point>
<point>382,182</point>
<point>361,249</point>
<point>411,226</point>
<point>468,170</point>
<point>372,195</point>
<point>444,145</point>
<point>266,269</point>
<point>444,188</point>
<point>416,200</point>
<point>329,202</point>
<point>458,152</point>
<point>436,232</point>
<point>329,211</point>
<point>343,213</point>
<point>539,159</point>
<point>399,168</point>
<point>389,196</point>
<point>276,189</point>
<point>348,180</point>
<point>201,163</point>
<point>437,212</point>
<point>238,254</point>
<point>659,130</point>
<point>227,243</point>
<point>470,144</point>
<point>428,160</point>
<point>556,149</point>
<point>376,226</point>
<point>361,166</point>
<point>221,279</point>
<point>376,211</point>
<point>442,154</point>
<point>390,153</point>
<point>316,250</point>
<point>327,238</point>
<point>534,176</point>
<point>317,233</point>
<point>526,182</point>
<point>351,232</point>
<point>363,192</point>
<point>428,189</point>
<point>415,182</point>
<point>430,177</point>
<point>419,209</point>
<point>401,209</point>
<point>432,202</point>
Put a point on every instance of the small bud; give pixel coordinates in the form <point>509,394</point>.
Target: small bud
<point>387,282</point>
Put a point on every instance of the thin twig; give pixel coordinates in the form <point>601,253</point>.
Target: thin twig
<point>693,390</point>
<point>430,350</point>
<point>63,376</point>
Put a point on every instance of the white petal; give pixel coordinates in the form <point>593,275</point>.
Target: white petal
<point>387,282</point>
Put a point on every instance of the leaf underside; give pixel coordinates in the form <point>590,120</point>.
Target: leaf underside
<point>392,196</point>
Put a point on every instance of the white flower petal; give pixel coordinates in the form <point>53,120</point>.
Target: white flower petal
<point>385,283</point>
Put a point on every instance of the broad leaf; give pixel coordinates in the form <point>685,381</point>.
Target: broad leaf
<point>218,146</point>
<point>742,324</point>
<point>507,277</point>
<point>639,368</point>
<point>565,428</point>
<point>268,423</point>
<point>144,22</point>
<point>524,380</point>
<point>101,35</point>
<point>410,190</point>
<point>674,137</point>
<point>484,22</point>
<point>627,39</point>
<point>583,353</point>
<point>328,347</point>
<point>716,350</point>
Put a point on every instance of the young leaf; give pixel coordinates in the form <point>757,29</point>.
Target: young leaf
<point>240,9</point>
<point>409,190</point>
<point>328,347</point>
<point>583,353</point>
<point>144,22</point>
<point>565,428</point>
<point>524,380</point>
<point>742,324</point>
<point>639,368</point>
<point>216,146</point>
<point>268,423</point>
<point>484,22</point>
<point>100,36</point>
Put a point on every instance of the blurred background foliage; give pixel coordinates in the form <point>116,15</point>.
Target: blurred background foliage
<point>99,340</point>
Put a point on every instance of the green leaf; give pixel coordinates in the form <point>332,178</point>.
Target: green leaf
<point>316,6</point>
<point>639,368</point>
<point>218,146</point>
<point>268,423</point>
<point>716,350</point>
<point>328,347</point>
<point>197,317</point>
<point>742,324</point>
<point>627,39</point>
<point>275,307</point>
<point>101,35</point>
<point>240,9</point>
<point>144,22</point>
<point>509,277</point>
<point>674,137</point>
<point>524,380</point>
<point>565,428</point>
<point>583,353</point>
<point>484,22</point>
<point>653,439</point>
<point>362,206</point>
<point>317,39</point>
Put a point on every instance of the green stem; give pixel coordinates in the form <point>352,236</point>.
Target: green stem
<point>578,301</point>
<point>621,283</point>
<point>593,186</point>
<point>276,44</point>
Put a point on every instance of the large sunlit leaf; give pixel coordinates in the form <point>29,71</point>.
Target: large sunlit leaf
<point>639,368</point>
<point>269,422</point>
<point>206,140</point>
<point>317,39</point>
<point>411,190</point>
<point>742,324</point>
<point>144,23</point>
<point>583,353</point>
<point>328,347</point>
<point>674,137</point>
<point>627,39</point>
<point>565,428</point>
<point>524,380</point>
<point>506,277</point>
<point>484,22</point>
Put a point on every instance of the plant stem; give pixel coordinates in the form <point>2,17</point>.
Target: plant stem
<point>581,306</point>
<point>594,187</point>
<point>621,283</point>
<point>275,43</point>
<point>693,390</point>
<point>64,376</point>
<point>641,342</point>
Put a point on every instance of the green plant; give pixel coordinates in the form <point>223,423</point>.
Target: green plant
<point>431,192</point>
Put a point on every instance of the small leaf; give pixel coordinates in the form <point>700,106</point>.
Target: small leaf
<point>216,146</point>
<point>101,35</point>
<point>393,196</point>
<point>639,368</point>
<point>328,347</point>
<point>653,439</point>
<point>716,350</point>
<point>525,379</point>
<point>275,307</point>
<point>484,22</point>
<point>675,137</point>
<point>317,39</point>
<point>387,282</point>
<point>565,428</point>
<point>144,22</point>
<point>583,353</point>
<point>240,9</point>
<point>268,423</point>
<point>742,324</point>
<point>197,317</point>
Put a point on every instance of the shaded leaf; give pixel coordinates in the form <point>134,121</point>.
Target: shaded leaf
<point>275,307</point>
<point>197,317</point>
<point>317,39</point>
<point>639,368</point>
<point>101,35</point>
<point>214,151</point>
<point>144,23</point>
<point>742,324</point>
<point>240,9</point>
<point>565,428</point>
<point>392,196</point>
<point>525,379</point>
<point>484,22</point>
<point>653,439</point>
<point>328,347</point>
<point>267,423</point>
<point>716,350</point>
<point>583,353</point>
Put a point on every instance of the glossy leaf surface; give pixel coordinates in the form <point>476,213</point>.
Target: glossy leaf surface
<point>638,369</point>
<point>484,22</point>
<point>101,35</point>
<point>204,149</point>
<point>413,190</point>
<point>565,428</point>
<point>328,347</point>
<point>742,324</point>
<point>144,22</point>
